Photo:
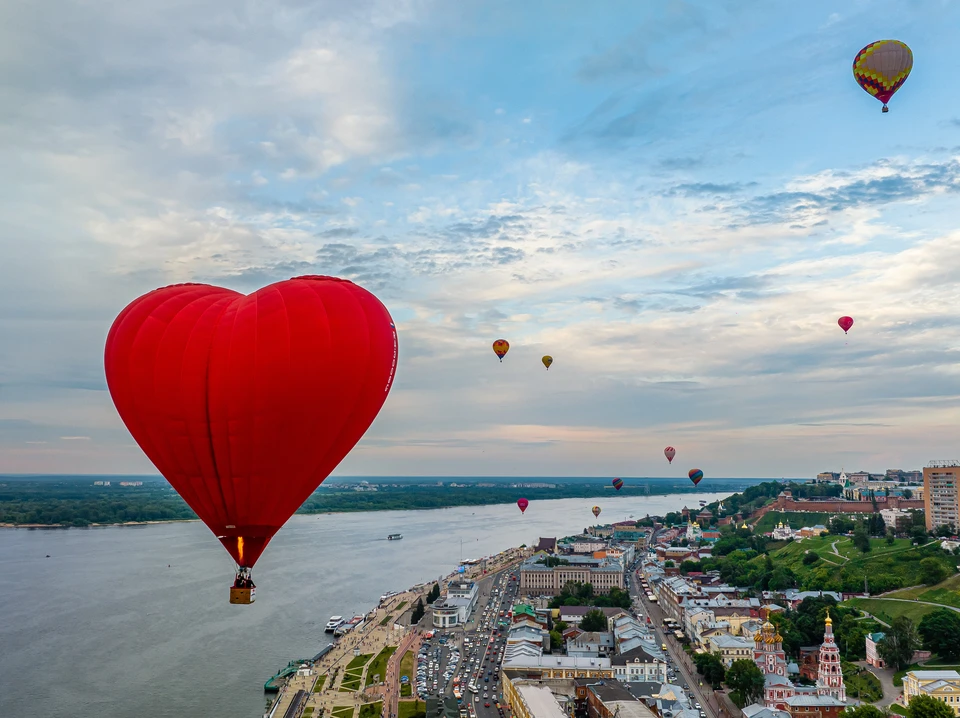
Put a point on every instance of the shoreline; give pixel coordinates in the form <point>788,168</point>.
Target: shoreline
<point>351,691</point>
<point>330,513</point>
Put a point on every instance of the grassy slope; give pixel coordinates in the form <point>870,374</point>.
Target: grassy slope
<point>946,592</point>
<point>888,610</point>
<point>796,519</point>
<point>898,559</point>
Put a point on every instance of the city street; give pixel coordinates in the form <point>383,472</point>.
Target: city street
<point>687,675</point>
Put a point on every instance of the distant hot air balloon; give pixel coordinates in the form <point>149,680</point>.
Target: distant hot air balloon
<point>523,504</point>
<point>696,476</point>
<point>845,323</point>
<point>618,484</point>
<point>670,452</point>
<point>547,361</point>
<point>501,347</point>
<point>882,67</point>
<point>596,511</point>
<point>245,404</point>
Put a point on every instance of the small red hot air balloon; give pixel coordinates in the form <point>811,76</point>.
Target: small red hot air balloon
<point>501,347</point>
<point>618,484</point>
<point>245,404</point>
<point>523,504</point>
<point>845,323</point>
<point>670,452</point>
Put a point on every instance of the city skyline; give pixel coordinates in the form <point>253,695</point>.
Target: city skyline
<point>675,202</point>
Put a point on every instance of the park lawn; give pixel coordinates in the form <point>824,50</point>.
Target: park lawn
<point>386,620</point>
<point>342,712</point>
<point>318,686</point>
<point>359,661</point>
<point>861,683</point>
<point>379,665</point>
<point>406,664</point>
<point>898,709</point>
<point>401,605</point>
<point>308,711</point>
<point>371,710</point>
<point>411,709</point>
<point>406,690</point>
<point>888,610</point>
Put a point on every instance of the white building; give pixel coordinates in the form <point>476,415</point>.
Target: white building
<point>457,606</point>
<point>639,666</point>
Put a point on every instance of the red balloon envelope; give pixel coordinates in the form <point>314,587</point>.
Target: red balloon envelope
<point>669,452</point>
<point>523,504</point>
<point>247,403</point>
<point>845,323</point>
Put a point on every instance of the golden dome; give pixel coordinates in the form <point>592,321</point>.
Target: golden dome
<point>778,638</point>
<point>828,620</point>
<point>758,638</point>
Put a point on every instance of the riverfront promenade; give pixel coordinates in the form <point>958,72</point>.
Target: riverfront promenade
<point>342,693</point>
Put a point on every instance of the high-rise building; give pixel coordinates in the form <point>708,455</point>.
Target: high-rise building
<point>941,493</point>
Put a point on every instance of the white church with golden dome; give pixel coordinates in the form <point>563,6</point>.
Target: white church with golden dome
<point>828,697</point>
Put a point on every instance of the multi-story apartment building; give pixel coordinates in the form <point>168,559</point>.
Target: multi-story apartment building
<point>941,493</point>
<point>539,579</point>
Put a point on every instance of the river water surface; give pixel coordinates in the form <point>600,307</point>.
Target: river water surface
<point>134,620</point>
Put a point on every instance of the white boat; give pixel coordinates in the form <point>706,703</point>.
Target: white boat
<point>394,537</point>
<point>333,624</point>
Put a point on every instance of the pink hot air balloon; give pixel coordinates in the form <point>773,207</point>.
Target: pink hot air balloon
<point>845,323</point>
<point>523,504</point>
<point>670,452</point>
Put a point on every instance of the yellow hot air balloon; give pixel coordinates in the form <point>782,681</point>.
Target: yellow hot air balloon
<point>547,361</point>
<point>882,67</point>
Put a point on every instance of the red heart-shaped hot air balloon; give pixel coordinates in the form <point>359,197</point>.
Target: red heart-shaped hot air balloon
<point>247,403</point>
<point>845,323</point>
<point>522,504</point>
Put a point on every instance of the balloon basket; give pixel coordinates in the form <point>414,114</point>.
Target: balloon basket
<point>243,596</point>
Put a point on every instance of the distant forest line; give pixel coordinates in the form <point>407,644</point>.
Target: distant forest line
<point>75,501</point>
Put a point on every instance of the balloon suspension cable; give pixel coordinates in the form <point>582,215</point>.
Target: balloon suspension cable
<point>244,579</point>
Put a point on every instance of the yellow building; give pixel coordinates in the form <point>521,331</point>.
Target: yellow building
<point>941,685</point>
<point>531,701</point>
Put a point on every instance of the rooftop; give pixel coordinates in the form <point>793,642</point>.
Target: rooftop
<point>540,702</point>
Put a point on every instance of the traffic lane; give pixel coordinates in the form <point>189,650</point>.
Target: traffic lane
<point>691,678</point>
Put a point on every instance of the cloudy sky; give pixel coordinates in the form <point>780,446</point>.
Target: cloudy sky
<point>675,199</point>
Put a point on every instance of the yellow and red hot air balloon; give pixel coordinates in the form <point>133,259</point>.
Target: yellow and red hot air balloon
<point>882,67</point>
<point>501,347</point>
<point>547,361</point>
<point>596,511</point>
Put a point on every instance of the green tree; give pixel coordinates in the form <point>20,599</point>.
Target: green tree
<point>907,494</point>
<point>940,632</point>
<point>864,711</point>
<point>810,558</point>
<point>668,564</point>
<point>899,643</point>
<point>594,620</point>
<point>710,666</point>
<point>891,537</point>
<point>781,578</point>
<point>556,641</point>
<point>918,533</point>
<point>932,571</point>
<point>928,707</point>
<point>860,538</point>
<point>747,680</point>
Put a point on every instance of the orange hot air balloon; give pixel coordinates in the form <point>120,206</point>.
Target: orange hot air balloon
<point>523,504</point>
<point>882,67</point>
<point>547,361</point>
<point>670,452</point>
<point>596,511</point>
<point>501,347</point>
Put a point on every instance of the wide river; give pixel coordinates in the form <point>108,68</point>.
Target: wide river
<point>134,621</point>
